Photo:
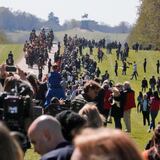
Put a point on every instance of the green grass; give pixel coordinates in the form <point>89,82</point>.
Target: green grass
<point>15,48</point>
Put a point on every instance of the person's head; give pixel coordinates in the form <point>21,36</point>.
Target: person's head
<point>9,148</point>
<point>45,134</point>
<point>104,144</point>
<point>115,92</point>
<point>71,123</point>
<point>119,86</point>
<point>24,88</point>
<point>91,88</point>
<point>32,80</point>
<point>92,115</point>
<point>144,96</point>
<point>55,67</point>
<point>140,94</point>
<point>105,84</point>
<point>155,94</point>
<point>127,85</point>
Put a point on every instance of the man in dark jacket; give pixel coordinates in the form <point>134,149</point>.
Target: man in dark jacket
<point>144,84</point>
<point>46,135</point>
<point>90,92</point>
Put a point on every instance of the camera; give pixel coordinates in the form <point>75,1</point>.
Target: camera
<point>14,110</point>
<point>11,69</point>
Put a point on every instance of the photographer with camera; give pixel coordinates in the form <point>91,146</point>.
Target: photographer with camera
<point>10,60</point>
<point>16,101</point>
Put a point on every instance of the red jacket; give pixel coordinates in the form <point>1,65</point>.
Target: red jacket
<point>155,104</point>
<point>107,94</point>
<point>129,100</point>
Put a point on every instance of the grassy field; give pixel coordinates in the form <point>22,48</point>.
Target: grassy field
<point>92,35</point>
<point>15,48</point>
<point>139,132</point>
<point>22,36</point>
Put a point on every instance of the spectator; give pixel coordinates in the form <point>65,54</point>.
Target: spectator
<point>116,68</point>
<point>117,100</point>
<point>71,123</point>
<point>90,92</point>
<point>154,109</point>
<point>129,103</point>
<point>46,135</point>
<point>54,87</point>
<point>135,73</point>
<point>104,144</point>
<point>49,65</point>
<point>152,83</point>
<point>145,65</point>
<point>9,148</point>
<point>139,100</point>
<point>153,153</point>
<point>91,114</point>
<point>144,84</point>
<point>145,109</point>
<point>158,66</point>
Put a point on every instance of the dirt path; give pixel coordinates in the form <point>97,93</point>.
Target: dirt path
<point>22,64</point>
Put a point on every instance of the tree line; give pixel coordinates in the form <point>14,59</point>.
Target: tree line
<point>147,28</point>
<point>18,20</point>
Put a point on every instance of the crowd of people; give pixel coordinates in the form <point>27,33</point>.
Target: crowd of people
<point>69,109</point>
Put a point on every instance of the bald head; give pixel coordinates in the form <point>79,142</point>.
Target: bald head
<point>45,122</point>
<point>45,130</point>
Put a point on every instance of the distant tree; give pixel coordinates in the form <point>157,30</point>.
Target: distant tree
<point>71,24</point>
<point>147,28</point>
<point>53,21</point>
<point>6,19</point>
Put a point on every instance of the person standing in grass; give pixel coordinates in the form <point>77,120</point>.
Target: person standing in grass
<point>154,109</point>
<point>145,65</point>
<point>145,110</point>
<point>116,68</point>
<point>135,73</point>
<point>129,103</point>
<point>158,66</point>
<point>144,84</point>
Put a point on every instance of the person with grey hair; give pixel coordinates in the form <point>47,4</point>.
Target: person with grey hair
<point>46,135</point>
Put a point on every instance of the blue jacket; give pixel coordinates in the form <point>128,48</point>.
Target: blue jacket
<point>54,79</point>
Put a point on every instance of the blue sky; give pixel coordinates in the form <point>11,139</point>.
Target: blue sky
<point>110,12</point>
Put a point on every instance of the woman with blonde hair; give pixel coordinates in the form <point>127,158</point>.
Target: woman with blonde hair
<point>9,148</point>
<point>92,115</point>
<point>104,144</point>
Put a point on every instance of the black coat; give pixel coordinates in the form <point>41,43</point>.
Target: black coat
<point>62,152</point>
